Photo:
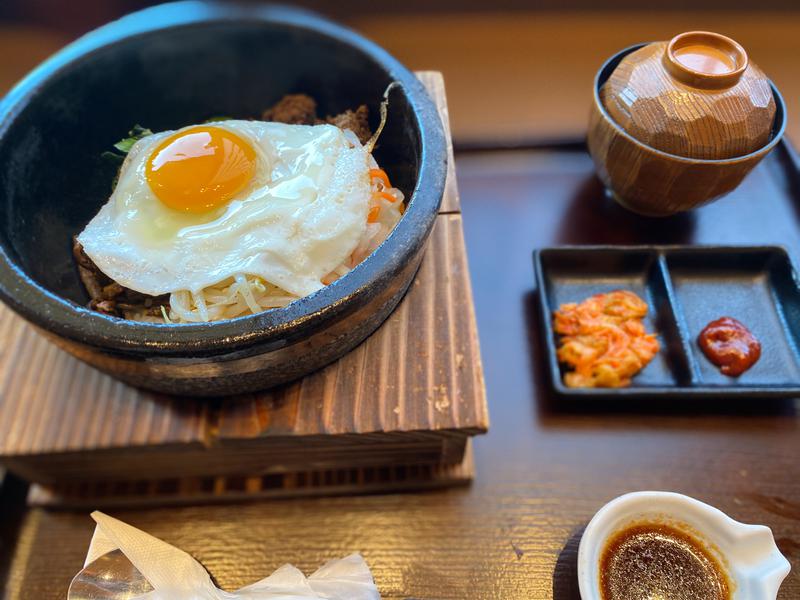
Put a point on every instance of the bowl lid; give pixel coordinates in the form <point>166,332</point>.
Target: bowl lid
<point>705,60</point>
<point>697,95</point>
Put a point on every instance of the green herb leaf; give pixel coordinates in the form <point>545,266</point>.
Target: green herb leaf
<point>134,135</point>
<point>113,157</point>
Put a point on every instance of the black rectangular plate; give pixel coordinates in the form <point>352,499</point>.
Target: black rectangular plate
<point>685,287</point>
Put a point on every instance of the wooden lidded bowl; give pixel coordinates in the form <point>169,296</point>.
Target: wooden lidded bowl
<point>696,96</point>
<point>662,144</point>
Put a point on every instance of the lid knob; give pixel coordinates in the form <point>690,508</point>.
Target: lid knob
<point>705,60</point>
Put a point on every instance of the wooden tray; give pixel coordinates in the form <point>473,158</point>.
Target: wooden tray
<point>411,394</point>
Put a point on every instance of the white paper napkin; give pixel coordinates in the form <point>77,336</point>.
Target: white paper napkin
<point>175,575</point>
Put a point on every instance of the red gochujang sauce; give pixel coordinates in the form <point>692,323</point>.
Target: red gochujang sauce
<point>730,345</point>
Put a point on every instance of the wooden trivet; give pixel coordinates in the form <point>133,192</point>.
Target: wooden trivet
<point>201,490</point>
<point>411,394</point>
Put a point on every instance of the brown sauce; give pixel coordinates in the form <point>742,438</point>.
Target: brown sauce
<point>647,561</point>
<point>730,345</point>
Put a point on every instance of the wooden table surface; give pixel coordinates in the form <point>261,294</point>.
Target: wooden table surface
<point>545,467</point>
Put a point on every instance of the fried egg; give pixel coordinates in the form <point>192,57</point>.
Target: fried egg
<point>196,206</point>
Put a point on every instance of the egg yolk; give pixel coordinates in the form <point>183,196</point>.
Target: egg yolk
<point>201,168</point>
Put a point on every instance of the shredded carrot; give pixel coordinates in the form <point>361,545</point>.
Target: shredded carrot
<point>604,340</point>
<point>374,212</point>
<point>387,195</point>
<point>380,174</point>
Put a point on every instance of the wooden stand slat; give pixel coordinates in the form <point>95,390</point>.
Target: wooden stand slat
<point>411,394</point>
<point>211,490</point>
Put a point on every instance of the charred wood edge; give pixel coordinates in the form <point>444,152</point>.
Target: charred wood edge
<point>13,505</point>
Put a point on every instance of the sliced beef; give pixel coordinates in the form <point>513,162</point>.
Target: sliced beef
<point>294,109</point>
<point>109,297</point>
<point>355,120</point>
<point>301,109</point>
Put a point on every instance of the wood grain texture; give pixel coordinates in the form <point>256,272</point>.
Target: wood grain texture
<point>417,373</point>
<point>434,82</point>
<point>413,391</point>
<point>652,183</point>
<point>652,105</point>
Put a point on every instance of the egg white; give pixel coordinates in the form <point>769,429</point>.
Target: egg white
<point>301,216</point>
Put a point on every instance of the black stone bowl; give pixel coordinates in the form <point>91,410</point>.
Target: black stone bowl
<point>164,68</point>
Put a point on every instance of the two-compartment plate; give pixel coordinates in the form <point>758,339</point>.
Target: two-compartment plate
<point>685,287</point>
